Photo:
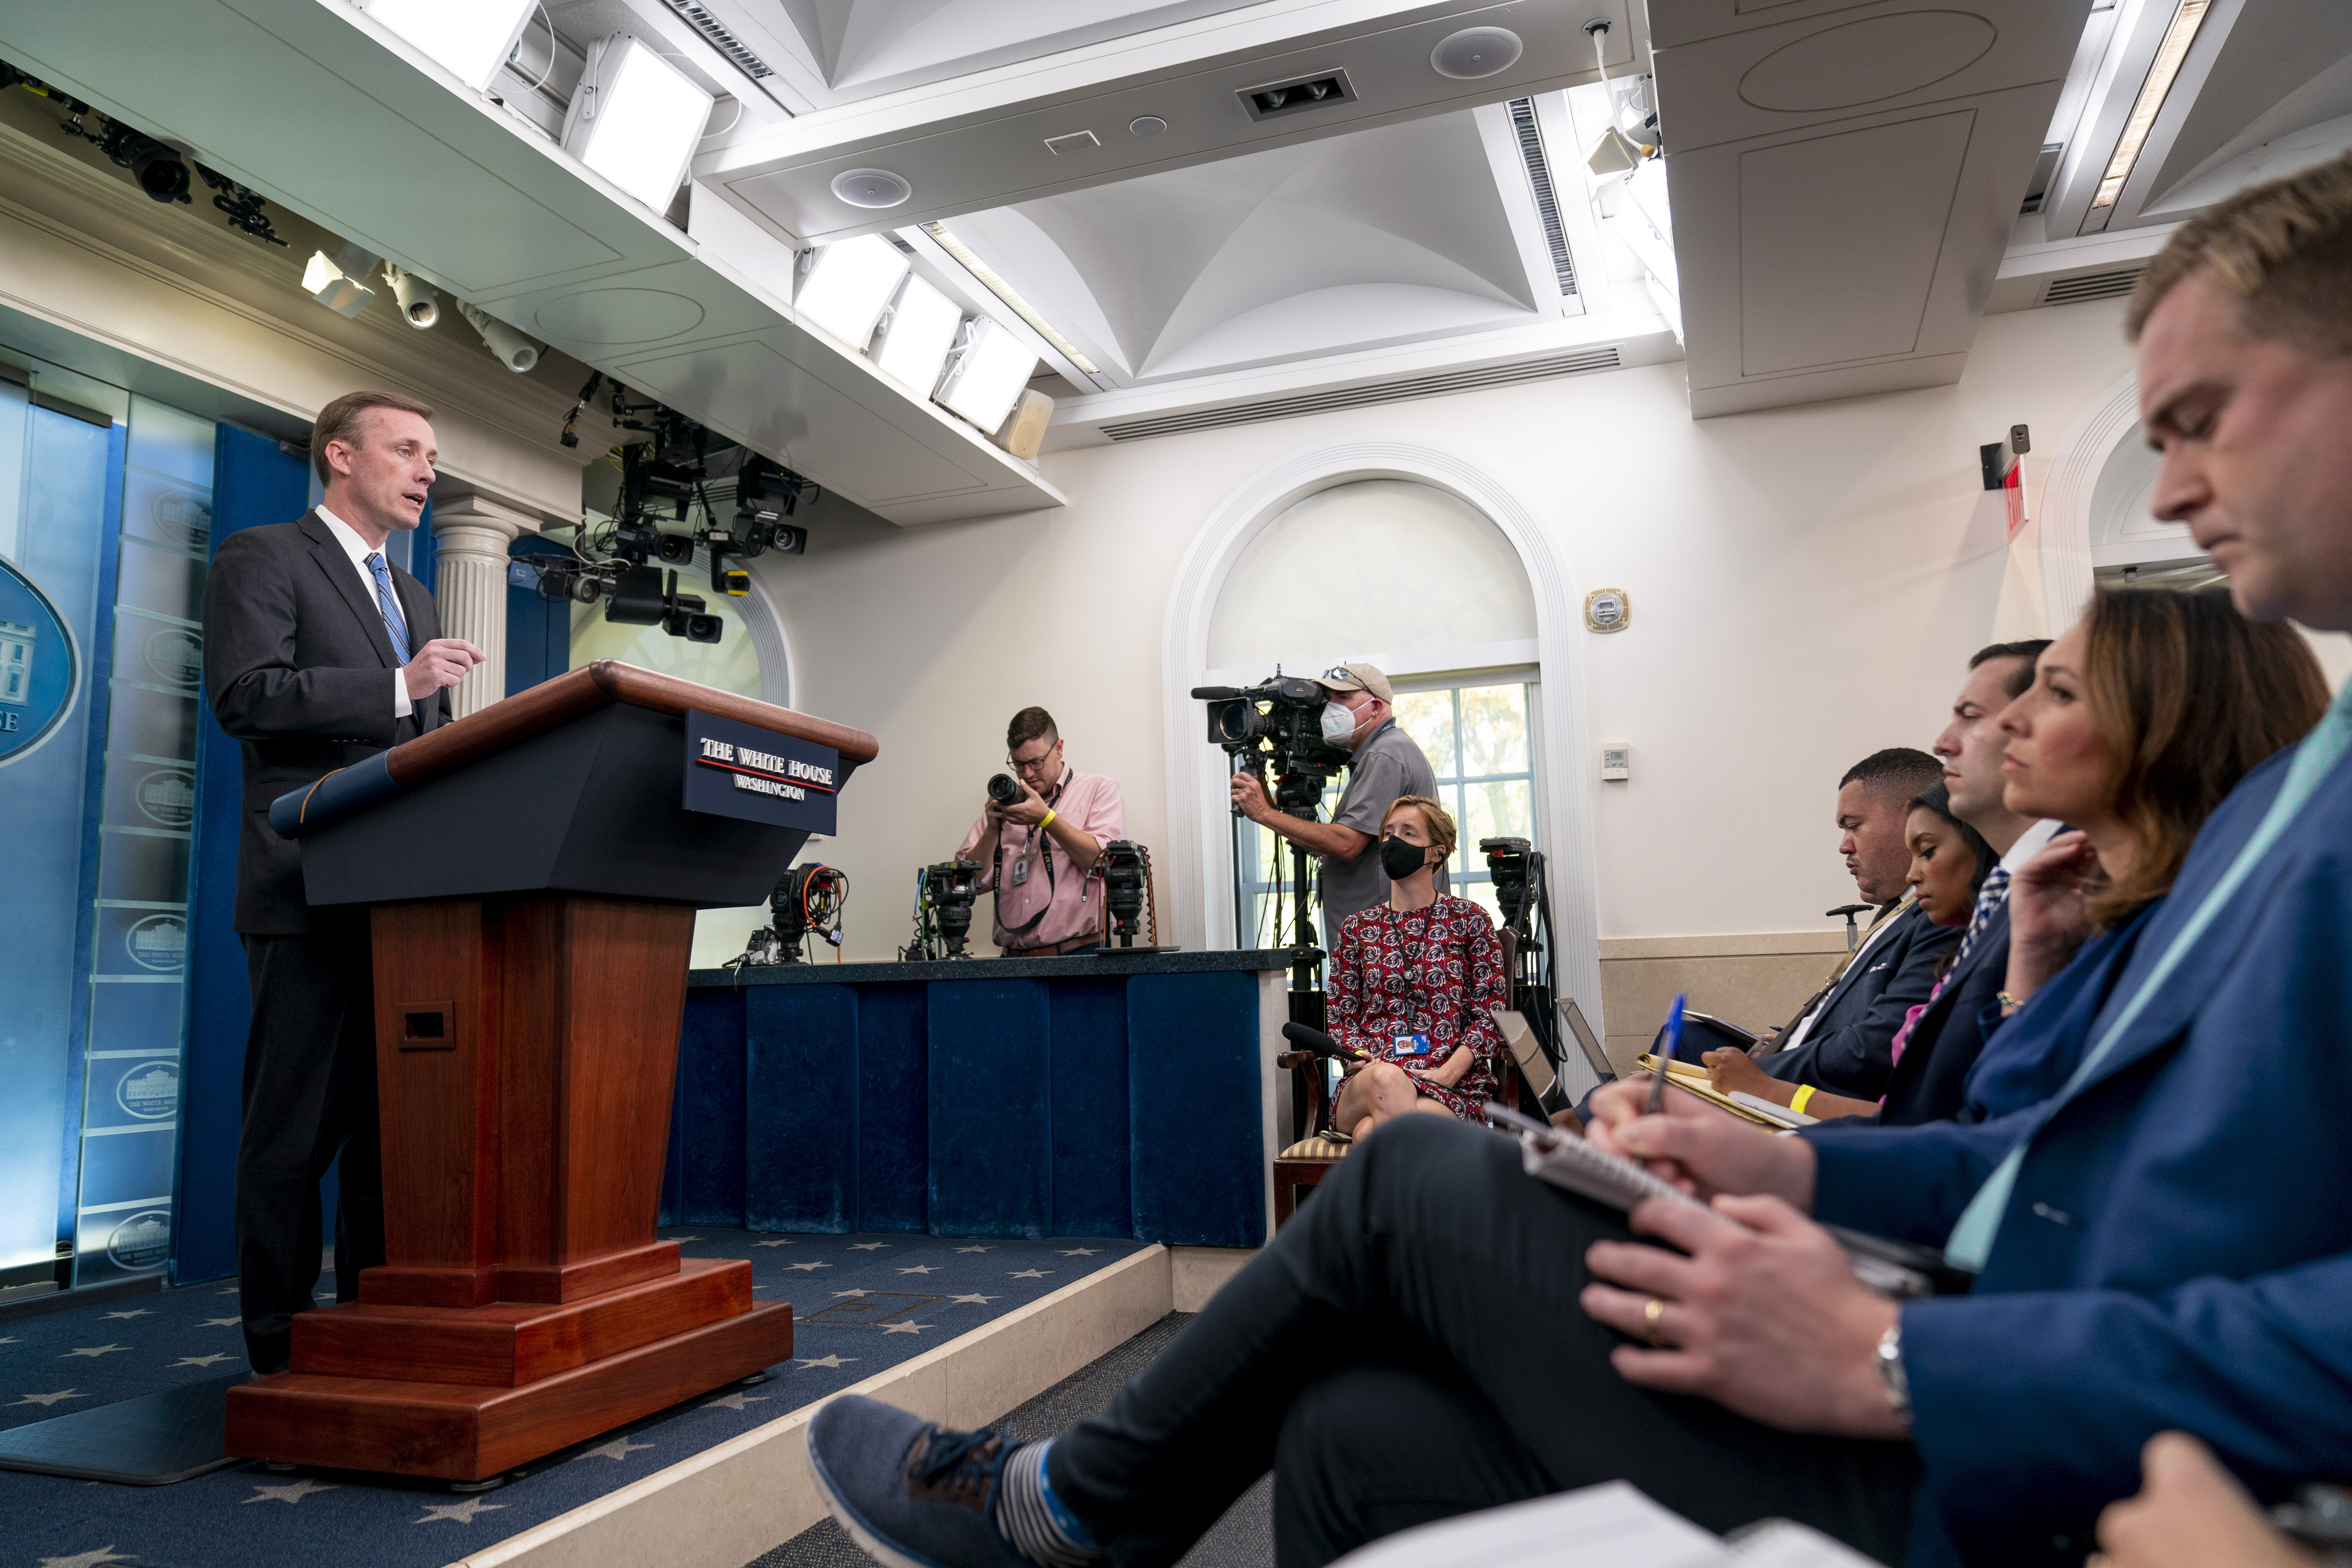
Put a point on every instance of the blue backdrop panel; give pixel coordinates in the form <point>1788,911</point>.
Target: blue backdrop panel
<point>709,1100</point>
<point>253,483</point>
<point>894,1126</point>
<point>539,634</point>
<point>1198,1171</point>
<point>992,1147</point>
<point>800,1118</point>
<point>1091,1191</point>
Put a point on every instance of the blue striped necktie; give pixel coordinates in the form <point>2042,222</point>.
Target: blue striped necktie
<point>1990,899</point>
<point>394,625</point>
<point>1980,1223</point>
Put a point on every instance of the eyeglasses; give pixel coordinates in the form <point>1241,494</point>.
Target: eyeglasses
<point>1034,763</point>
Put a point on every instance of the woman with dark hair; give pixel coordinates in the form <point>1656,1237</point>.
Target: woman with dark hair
<point>1950,861</point>
<point>2140,718</point>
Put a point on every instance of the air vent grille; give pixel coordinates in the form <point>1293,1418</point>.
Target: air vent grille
<point>1531,153</point>
<point>725,42</point>
<point>2083,286</point>
<point>1369,396</point>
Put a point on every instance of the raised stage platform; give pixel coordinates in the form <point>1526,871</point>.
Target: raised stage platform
<point>959,1330</point>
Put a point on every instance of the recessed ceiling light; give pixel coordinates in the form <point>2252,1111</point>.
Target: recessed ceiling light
<point>1475,52</point>
<point>971,263</point>
<point>1147,125</point>
<point>871,188</point>
<point>2170,53</point>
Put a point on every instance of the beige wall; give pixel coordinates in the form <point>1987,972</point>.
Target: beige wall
<point>1807,587</point>
<point>1757,981</point>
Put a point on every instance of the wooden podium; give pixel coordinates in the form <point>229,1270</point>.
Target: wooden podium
<point>535,878</point>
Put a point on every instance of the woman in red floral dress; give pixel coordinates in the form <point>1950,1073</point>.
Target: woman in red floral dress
<point>1412,983</point>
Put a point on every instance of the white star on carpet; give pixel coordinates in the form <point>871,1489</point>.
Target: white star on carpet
<point>463,1512</point>
<point>804,1267</point>
<point>322,1295</point>
<point>1030,1274</point>
<point>7,1338</point>
<point>976,1300</point>
<point>858,1292</point>
<point>618,1448</point>
<point>735,1401</point>
<point>46,1400</point>
<point>920,1269</point>
<point>907,1328</point>
<point>971,1249</point>
<point>98,1559</point>
<point>867,1246</point>
<point>1080,1252</point>
<point>201,1359</point>
<point>139,1312</point>
<point>292,1492</point>
<point>830,1361</point>
<point>772,1244</point>
<point>218,1323</point>
<point>230,1292</point>
<point>93,1351</point>
<point>665,1238</point>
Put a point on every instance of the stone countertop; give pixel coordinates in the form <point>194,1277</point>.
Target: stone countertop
<point>1073,966</point>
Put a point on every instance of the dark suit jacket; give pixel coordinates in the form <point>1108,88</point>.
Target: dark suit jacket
<point>299,669</point>
<point>1928,1083</point>
<point>1850,1049</point>
<point>2174,1254</point>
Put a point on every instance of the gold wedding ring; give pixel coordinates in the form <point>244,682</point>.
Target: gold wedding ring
<point>1650,1316</point>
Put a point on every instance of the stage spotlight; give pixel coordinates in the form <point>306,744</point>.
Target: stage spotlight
<point>990,369</point>
<point>420,306</point>
<point>847,284</point>
<point>513,349</point>
<point>636,119</point>
<point>470,40</point>
<point>914,342</point>
<point>334,280</point>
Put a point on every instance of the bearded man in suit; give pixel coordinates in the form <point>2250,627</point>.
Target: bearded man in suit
<point>319,653</point>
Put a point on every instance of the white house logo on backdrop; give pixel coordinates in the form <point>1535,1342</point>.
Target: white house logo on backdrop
<point>158,943</point>
<point>183,519</point>
<point>142,1241</point>
<point>176,656</point>
<point>39,671</point>
<point>168,796</point>
<point>150,1090</point>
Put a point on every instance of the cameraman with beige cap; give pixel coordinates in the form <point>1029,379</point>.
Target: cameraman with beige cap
<point>1386,764</point>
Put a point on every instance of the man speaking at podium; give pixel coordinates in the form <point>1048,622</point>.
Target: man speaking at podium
<point>319,653</point>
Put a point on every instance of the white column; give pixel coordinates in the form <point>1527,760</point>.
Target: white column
<point>470,535</point>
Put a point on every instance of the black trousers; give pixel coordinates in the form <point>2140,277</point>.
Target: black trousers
<point>310,1095</point>
<point>1411,1348</point>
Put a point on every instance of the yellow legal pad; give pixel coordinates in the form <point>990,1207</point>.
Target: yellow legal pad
<point>1684,1076</point>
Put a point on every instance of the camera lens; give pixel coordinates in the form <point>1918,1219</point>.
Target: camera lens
<point>1003,790</point>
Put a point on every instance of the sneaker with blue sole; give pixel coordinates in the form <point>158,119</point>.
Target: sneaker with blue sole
<point>910,1493</point>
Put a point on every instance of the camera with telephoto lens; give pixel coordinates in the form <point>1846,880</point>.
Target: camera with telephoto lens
<point>1277,724</point>
<point>1004,789</point>
<point>1126,884</point>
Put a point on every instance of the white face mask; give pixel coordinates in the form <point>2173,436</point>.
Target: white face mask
<point>1339,724</point>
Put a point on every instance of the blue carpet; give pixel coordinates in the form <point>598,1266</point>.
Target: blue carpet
<point>862,1304</point>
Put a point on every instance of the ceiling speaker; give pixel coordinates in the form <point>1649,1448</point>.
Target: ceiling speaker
<point>1475,52</point>
<point>871,188</point>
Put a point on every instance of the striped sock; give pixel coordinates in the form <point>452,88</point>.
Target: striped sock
<point>1034,1519</point>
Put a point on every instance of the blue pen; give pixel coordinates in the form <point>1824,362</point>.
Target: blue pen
<point>1673,1043</point>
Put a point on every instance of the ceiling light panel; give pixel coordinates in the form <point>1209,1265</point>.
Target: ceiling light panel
<point>970,262</point>
<point>914,342</point>
<point>847,284</point>
<point>469,38</point>
<point>2169,55</point>
<point>636,119</point>
<point>988,375</point>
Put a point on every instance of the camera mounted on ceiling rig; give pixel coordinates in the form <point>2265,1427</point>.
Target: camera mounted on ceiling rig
<point>670,477</point>
<point>943,901</point>
<point>808,901</point>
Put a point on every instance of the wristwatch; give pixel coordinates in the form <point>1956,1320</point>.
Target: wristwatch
<point>1889,1360</point>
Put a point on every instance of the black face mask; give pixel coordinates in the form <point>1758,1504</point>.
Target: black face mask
<point>1401,859</point>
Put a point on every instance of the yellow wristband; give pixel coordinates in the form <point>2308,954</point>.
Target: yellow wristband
<point>1047,821</point>
<point>1805,1093</point>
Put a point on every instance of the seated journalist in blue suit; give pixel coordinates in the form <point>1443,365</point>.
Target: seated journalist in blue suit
<point>2156,1243</point>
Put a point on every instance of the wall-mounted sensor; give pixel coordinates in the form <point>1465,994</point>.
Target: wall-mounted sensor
<point>1616,760</point>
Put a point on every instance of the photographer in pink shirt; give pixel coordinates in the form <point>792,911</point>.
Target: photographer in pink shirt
<point>1038,854</point>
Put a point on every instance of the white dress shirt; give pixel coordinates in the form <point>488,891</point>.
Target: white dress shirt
<point>2030,843</point>
<point>359,550</point>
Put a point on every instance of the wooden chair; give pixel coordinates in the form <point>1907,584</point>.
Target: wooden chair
<point>1306,1163</point>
